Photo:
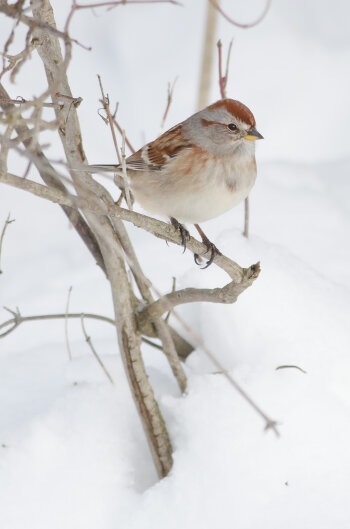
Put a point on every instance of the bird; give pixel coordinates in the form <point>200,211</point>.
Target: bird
<point>196,170</point>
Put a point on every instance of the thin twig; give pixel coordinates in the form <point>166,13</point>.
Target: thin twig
<point>222,80</point>
<point>105,103</point>
<point>228,60</point>
<point>93,204</point>
<point>125,2</point>
<point>128,198</point>
<point>239,24</point>
<point>246,218</point>
<point>7,222</point>
<point>222,85</point>
<point>120,130</point>
<point>207,57</point>
<point>34,23</point>
<point>173,289</point>
<point>66,324</point>
<point>269,423</point>
<point>20,58</point>
<point>121,158</point>
<point>21,101</point>
<point>291,366</point>
<point>171,88</point>
<point>94,352</point>
<point>18,319</point>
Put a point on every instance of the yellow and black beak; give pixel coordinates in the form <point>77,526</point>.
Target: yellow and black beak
<point>253,134</point>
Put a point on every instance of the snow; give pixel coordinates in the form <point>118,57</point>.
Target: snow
<point>72,449</point>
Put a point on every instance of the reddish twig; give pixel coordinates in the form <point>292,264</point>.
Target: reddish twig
<point>239,24</point>
<point>222,79</point>
<point>169,101</point>
<point>7,222</point>
<point>124,2</point>
<point>120,130</point>
<point>105,103</point>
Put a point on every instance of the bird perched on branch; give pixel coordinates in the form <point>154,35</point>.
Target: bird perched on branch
<point>198,169</point>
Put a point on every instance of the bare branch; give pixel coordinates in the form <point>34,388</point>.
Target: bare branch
<point>22,101</point>
<point>66,324</point>
<point>207,57</point>
<point>17,319</point>
<point>291,367</point>
<point>128,196</point>
<point>269,423</point>
<point>223,78</point>
<point>121,157</point>
<point>50,177</point>
<point>239,24</point>
<point>222,85</point>
<point>157,227</point>
<point>124,2</point>
<point>105,103</point>
<point>171,88</point>
<point>246,218</point>
<point>120,130</point>
<point>7,222</point>
<point>15,61</point>
<point>128,336</point>
<point>94,352</point>
<point>33,23</point>
<point>226,294</point>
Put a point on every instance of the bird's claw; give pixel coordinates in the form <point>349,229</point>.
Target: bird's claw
<point>185,234</point>
<point>213,252</point>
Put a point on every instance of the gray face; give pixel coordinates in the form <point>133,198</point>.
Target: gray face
<point>217,131</point>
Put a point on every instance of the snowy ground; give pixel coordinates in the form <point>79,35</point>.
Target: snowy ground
<point>72,451</point>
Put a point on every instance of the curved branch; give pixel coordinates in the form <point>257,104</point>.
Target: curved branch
<point>226,294</point>
<point>50,177</point>
<point>93,204</point>
<point>18,319</point>
<point>239,24</point>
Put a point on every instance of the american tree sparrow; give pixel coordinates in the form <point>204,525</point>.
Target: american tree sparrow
<point>198,169</point>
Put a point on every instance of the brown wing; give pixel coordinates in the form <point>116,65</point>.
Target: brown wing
<point>155,154</point>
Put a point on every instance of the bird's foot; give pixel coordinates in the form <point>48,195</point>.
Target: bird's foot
<point>185,234</point>
<point>210,248</point>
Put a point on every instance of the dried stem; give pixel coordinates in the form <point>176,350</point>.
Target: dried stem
<point>94,352</point>
<point>120,130</point>
<point>7,222</point>
<point>121,158</point>
<point>156,227</point>
<point>270,424</point>
<point>291,367</point>
<point>103,219</point>
<point>171,88</point>
<point>222,85</point>
<point>215,4</point>
<point>107,239</point>
<point>17,319</point>
<point>207,57</point>
<point>66,324</point>
<point>116,3</point>
<point>246,218</point>
<point>50,177</point>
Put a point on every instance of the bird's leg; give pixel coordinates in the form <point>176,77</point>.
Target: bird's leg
<point>210,246</point>
<point>185,234</point>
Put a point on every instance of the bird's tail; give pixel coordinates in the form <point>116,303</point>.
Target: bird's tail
<point>109,168</point>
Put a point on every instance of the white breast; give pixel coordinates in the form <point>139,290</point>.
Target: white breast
<point>199,194</point>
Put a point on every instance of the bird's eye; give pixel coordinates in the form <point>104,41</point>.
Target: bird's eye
<point>232,126</point>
